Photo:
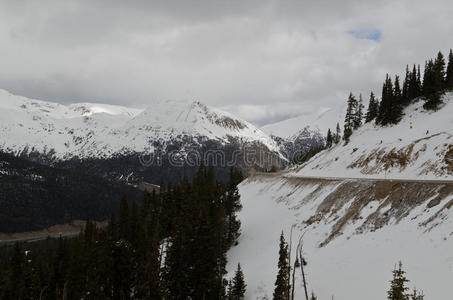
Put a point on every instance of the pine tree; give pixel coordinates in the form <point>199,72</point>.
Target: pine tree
<point>17,274</point>
<point>405,89</point>
<point>350,118</point>
<point>433,81</point>
<point>397,105</point>
<point>233,206</point>
<point>338,134</point>
<point>398,287</point>
<point>358,115</point>
<point>238,284</point>
<point>329,139</point>
<point>416,295</point>
<point>384,116</point>
<point>373,108</point>
<point>449,73</point>
<point>124,224</point>
<point>281,283</point>
<point>439,72</point>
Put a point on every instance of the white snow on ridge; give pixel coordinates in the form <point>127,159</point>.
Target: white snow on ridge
<point>416,148</point>
<point>101,130</point>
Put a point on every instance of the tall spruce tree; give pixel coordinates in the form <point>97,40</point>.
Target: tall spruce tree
<point>238,284</point>
<point>281,291</point>
<point>358,115</point>
<point>431,83</point>
<point>398,288</point>
<point>449,73</point>
<point>397,102</point>
<point>406,83</point>
<point>384,116</point>
<point>337,134</point>
<point>329,138</point>
<point>373,108</point>
<point>350,117</point>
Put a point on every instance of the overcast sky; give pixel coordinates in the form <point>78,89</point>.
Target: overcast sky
<point>262,60</point>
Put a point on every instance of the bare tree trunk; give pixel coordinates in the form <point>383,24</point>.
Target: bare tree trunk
<point>294,276</point>
<point>42,292</point>
<point>65,291</point>
<point>299,246</point>
<point>289,264</point>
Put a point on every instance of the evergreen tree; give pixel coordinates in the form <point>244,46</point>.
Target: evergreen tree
<point>358,115</point>
<point>282,282</point>
<point>17,273</point>
<point>431,84</point>
<point>329,139</point>
<point>238,285</point>
<point>233,206</point>
<point>338,134</point>
<point>398,287</point>
<point>416,295</point>
<point>406,83</point>
<point>439,72</point>
<point>124,224</point>
<point>350,118</point>
<point>397,102</point>
<point>373,108</point>
<point>449,73</point>
<point>384,116</point>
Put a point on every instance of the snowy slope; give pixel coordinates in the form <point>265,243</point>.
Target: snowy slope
<point>101,131</point>
<point>319,122</point>
<point>353,235</point>
<point>419,147</point>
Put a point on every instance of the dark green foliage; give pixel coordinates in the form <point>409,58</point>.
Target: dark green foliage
<point>350,118</point>
<point>384,116</point>
<point>416,295</point>
<point>398,288</point>
<point>358,116</point>
<point>434,82</point>
<point>125,259</point>
<point>281,291</point>
<point>373,108</point>
<point>238,285</point>
<point>449,73</point>
<point>35,196</point>
<point>329,139</point>
<point>337,134</point>
<point>397,102</point>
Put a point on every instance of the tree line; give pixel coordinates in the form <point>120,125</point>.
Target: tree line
<point>172,246</point>
<point>437,78</point>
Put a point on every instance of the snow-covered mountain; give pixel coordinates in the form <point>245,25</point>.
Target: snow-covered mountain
<point>359,208</point>
<point>318,122</point>
<point>87,130</point>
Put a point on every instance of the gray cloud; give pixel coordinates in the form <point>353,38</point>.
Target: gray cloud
<point>263,60</point>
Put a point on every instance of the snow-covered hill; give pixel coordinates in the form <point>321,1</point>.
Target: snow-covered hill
<point>87,130</point>
<point>386,196</point>
<point>419,147</point>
